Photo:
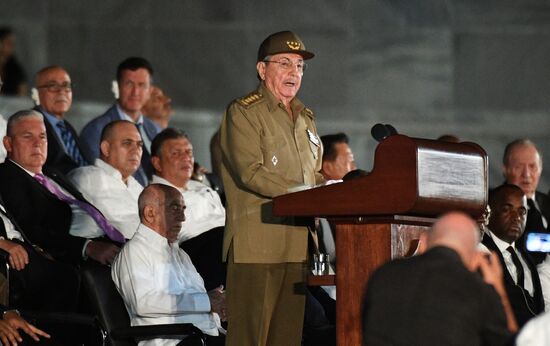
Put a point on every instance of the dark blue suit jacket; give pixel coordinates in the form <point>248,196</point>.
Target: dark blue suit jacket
<point>57,157</point>
<point>91,133</point>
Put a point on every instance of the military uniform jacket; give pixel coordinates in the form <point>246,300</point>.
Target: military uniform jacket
<point>264,154</point>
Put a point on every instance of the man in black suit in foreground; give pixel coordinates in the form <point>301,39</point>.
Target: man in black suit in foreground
<point>438,298</point>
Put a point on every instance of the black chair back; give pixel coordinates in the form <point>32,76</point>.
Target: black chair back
<point>106,302</point>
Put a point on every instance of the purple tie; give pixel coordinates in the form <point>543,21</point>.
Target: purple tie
<point>107,228</point>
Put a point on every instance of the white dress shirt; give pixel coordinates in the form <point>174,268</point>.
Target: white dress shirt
<point>204,209</point>
<point>102,185</point>
<point>11,232</point>
<point>502,246</point>
<point>159,284</point>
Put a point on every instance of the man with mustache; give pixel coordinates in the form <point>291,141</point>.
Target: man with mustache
<point>55,94</point>
<point>109,184</point>
<point>269,145</point>
<point>506,225</point>
<point>202,233</point>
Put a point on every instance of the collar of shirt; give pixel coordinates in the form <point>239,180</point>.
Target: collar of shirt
<point>107,168</point>
<point>501,244</point>
<point>53,120</point>
<point>160,180</point>
<point>272,102</point>
<point>125,116</point>
<point>32,174</point>
<point>155,240</point>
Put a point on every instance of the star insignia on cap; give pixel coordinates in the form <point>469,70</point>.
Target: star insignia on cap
<point>274,160</point>
<point>293,45</point>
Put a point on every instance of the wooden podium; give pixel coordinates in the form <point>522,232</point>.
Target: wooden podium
<point>379,217</point>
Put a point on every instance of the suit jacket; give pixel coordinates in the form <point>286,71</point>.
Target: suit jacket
<point>58,159</point>
<point>41,216</point>
<point>432,299</point>
<point>91,133</point>
<point>524,307</point>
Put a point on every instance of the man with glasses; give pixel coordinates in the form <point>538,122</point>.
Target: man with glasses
<point>134,78</point>
<point>269,145</point>
<point>55,96</point>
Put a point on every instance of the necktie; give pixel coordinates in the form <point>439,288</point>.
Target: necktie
<point>144,137</point>
<point>107,228</point>
<point>534,218</point>
<point>70,144</point>
<point>517,263</point>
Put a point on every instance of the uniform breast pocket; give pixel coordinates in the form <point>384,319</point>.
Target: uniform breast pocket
<point>275,152</point>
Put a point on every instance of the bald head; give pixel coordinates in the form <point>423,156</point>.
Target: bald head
<point>457,231</point>
<point>161,208</point>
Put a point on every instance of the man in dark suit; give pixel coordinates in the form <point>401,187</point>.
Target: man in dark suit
<point>31,271</point>
<point>522,166</point>
<point>134,83</point>
<point>55,98</point>
<point>506,224</point>
<point>46,218</point>
<point>438,298</point>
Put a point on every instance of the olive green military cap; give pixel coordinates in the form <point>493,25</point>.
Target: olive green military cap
<point>283,42</point>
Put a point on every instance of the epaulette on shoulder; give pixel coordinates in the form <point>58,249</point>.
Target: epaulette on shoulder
<point>250,99</point>
<point>308,112</point>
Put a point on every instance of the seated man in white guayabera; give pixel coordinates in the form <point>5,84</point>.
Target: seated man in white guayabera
<point>109,183</point>
<point>202,234</point>
<point>157,279</point>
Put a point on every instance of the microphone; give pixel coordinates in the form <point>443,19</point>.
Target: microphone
<point>391,130</point>
<point>380,132</point>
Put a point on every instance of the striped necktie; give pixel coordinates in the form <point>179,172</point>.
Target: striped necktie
<point>70,144</point>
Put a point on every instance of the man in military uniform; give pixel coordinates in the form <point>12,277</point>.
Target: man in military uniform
<point>269,145</point>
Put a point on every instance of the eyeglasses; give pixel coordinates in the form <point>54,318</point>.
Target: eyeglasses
<point>287,64</point>
<point>55,87</point>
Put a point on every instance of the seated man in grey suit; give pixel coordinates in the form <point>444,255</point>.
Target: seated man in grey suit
<point>522,166</point>
<point>439,297</point>
<point>55,95</point>
<point>134,78</point>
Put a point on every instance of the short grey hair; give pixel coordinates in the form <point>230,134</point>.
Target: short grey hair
<point>21,115</point>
